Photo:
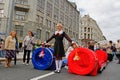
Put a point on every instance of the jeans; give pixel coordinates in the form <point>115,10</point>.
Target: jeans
<point>26,53</point>
<point>114,55</point>
<point>1,53</point>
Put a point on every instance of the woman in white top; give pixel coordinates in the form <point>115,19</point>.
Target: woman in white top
<point>28,46</point>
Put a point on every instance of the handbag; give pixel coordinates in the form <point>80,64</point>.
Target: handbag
<point>25,46</point>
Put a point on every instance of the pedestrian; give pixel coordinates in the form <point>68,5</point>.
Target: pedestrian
<point>16,48</point>
<point>58,46</point>
<point>1,48</point>
<point>118,50</point>
<point>71,48</point>
<point>28,46</point>
<point>114,51</point>
<point>91,45</point>
<point>109,51</point>
<point>10,48</point>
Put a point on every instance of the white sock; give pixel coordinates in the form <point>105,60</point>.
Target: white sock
<point>57,64</point>
<point>60,65</point>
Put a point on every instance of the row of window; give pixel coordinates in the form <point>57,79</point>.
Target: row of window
<point>1,13</point>
<point>87,29</point>
<point>25,2</point>
<point>64,20</point>
<point>87,36</point>
<point>19,30</point>
<point>64,5</point>
<point>20,15</point>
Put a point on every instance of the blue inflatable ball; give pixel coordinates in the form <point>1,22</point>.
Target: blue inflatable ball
<point>42,63</point>
<point>65,61</point>
<point>52,67</point>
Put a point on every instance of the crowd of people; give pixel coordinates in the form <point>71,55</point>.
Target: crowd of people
<point>112,49</point>
<point>10,47</point>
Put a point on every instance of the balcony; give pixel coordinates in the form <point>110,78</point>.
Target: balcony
<point>22,5</point>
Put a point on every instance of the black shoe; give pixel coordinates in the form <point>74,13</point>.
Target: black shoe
<point>56,71</point>
<point>59,71</point>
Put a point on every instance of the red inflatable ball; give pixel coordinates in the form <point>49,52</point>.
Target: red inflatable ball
<point>102,57</point>
<point>82,61</point>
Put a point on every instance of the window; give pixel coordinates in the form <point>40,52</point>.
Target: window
<point>39,19</point>
<point>62,17</point>
<point>66,7</point>
<point>49,9</point>
<point>56,2</point>
<point>88,29</point>
<point>85,29</point>
<point>56,13</point>
<point>66,20</point>
<point>48,23</point>
<point>38,34</point>
<point>91,36</point>
<point>1,13</point>
<point>70,22</point>
<point>62,5</point>
<point>0,24</point>
<point>47,35</point>
<point>41,5</point>
<point>54,26</point>
<point>88,36</point>
<point>85,35</point>
<point>20,15</point>
<point>25,2</point>
<point>19,30</point>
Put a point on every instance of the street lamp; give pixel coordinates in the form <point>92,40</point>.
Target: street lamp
<point>11,14</point>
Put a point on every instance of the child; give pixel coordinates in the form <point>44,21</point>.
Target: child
<point>72,47</point>
<point>1,49</point>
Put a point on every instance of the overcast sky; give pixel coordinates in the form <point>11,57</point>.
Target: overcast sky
<point>105,12</point>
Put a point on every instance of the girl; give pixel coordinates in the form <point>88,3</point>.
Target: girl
<point>28,46</point>
<point>58,46</point>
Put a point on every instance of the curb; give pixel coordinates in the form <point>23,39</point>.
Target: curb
<point>18,59</point>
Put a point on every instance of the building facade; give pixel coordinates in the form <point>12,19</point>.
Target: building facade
<point>40,16</point>
<point>89,30</point>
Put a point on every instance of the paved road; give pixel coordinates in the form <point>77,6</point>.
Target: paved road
<point>24,72</point>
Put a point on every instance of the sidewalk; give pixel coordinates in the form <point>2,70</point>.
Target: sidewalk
<point>19,56</point>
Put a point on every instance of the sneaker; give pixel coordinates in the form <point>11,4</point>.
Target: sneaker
<point>27,64</point>
<point>23,63</point>
<point>66,67</point>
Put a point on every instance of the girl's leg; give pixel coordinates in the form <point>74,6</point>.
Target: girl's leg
<point>15,59</point>
<point>28,57</point>
<point>24,55</point>
<point>60,64</point>
<point>6,62</point>
<point>57,64</point>
<point>9,62</point>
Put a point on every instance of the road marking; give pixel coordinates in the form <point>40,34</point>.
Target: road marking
<point>43,76</point>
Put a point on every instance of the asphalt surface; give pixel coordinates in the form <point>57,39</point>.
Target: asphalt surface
<point>27,72</point>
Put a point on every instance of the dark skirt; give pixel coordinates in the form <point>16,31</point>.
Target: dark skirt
<point>110,57</point>
<point>59,49</point>
<point>10,54</point>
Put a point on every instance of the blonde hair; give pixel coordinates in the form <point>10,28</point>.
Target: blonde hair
<point>12,32</point>
<point>59,24</point>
